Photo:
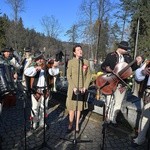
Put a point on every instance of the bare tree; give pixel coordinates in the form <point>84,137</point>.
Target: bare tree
<point>73,33</point>
<point>87,12</point>
<point>51,26</point>
<point>104,8</point>
<point>17,7</point>
<point>94,13</point>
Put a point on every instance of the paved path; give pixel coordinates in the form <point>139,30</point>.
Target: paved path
<point>13,125</point>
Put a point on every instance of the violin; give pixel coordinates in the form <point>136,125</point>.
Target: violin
<point>148,63</point>
<point>45,64</point>
<point>107,83</point>
<point>50,63</point>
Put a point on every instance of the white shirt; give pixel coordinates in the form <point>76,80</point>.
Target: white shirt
<point>121,58</point>
<point>14,63</point>
<point>53,71</point>
<point>31,71</point>
<point>139,76</point>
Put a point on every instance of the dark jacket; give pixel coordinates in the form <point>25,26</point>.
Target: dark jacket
<point>112,60</point>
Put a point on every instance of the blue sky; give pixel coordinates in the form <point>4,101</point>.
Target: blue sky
<point>65,11</point>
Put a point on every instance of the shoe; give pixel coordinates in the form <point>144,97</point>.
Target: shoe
<point>42,126</point>
<point>47,126</point>
<point>134,145</point>
<point>69,131</point>
<point>114,125</point>
<point>77,131</point>
<point>108,121</point>
<point>135,141</point>
<point>70,128</point>
<point>133,137</point>
<point>32,131</point>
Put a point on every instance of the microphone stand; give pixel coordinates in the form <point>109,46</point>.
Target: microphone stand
<point>44,144</point>
<point>25,118</point>
<point>105,123</point>
<point>75,141</point>
<point>26,95</point>
<point>105,113</point>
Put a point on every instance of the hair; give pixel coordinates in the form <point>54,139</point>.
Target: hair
<point>74,49</point>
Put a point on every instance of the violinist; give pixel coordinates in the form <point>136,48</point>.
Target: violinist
<point>37,71</point>
<point>115,99</point>
<point>143,75</point>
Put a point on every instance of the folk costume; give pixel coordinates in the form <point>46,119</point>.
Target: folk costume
<point>84,81</point>
<point>145,95</point>
<point>5,61</point>
<point>114,101</point>
<point>8,75</point>
<point>39,93</point>
<point>26,62</point>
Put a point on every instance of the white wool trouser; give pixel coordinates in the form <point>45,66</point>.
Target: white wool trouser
<point>38,109</point>
<point>143,124</point>
<point>114,103</point>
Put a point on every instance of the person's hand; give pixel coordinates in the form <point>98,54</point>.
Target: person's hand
<point>122,89</point>
<point>83,90</point>
<point>146,71</point>
<point>108,69</point>
<point>75,90</point>
<point>139,60</point>
<point>38,68</point>
<point>15,76</point>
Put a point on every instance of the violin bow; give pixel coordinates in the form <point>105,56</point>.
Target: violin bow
<point>121,80</point>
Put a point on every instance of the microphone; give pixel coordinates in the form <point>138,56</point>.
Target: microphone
<point>81,58</point>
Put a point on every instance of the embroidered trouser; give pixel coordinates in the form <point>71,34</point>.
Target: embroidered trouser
<point>113,104</point>
<point>143,124</point>
<point>38,109</point>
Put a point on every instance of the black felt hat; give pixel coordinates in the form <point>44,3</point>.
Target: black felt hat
<point>38,55</point>
<point>124,45</point>
<point>11,49</point>
<point>27,49</point>
<point>6,49</point>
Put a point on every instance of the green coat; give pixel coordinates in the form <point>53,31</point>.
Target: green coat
<point>72,77</point>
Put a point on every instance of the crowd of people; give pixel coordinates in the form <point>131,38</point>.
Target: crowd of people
<point>37,74</point>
